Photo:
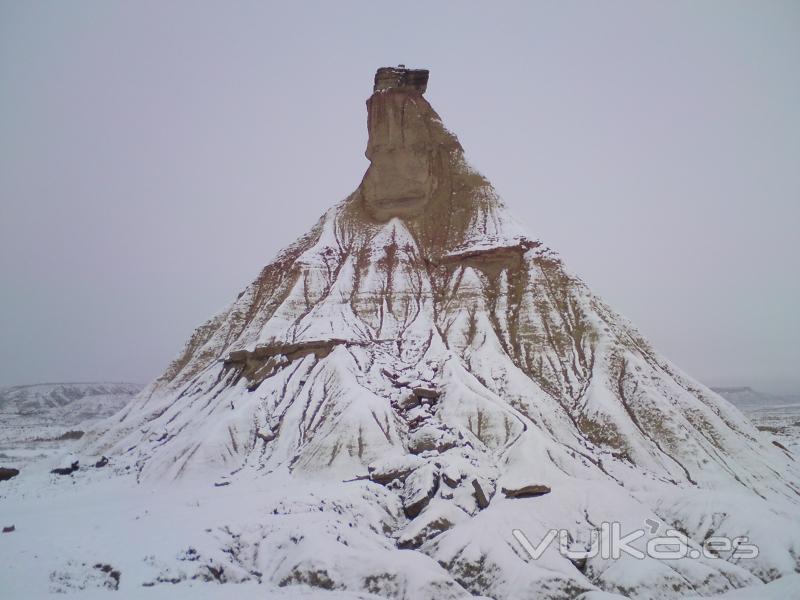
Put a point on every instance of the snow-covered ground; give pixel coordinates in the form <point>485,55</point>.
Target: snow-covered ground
<point>781,423</point>
<point>776,416</point>
<point>42,420</point>
<point>71,534</point>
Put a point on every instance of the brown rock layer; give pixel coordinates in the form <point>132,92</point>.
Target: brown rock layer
<point>400,77</point>
<point>410,151</point>
<point>527,491</point>
<point>6,473</point>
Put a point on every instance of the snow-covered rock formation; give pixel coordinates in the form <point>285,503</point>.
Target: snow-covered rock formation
<point>66,403</point>
<point>417,377</point>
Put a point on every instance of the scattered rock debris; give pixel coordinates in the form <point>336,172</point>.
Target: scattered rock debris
<point>113,575</point>
<point>67,470</point>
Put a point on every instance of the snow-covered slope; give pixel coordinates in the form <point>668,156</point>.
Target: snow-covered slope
<point>418,377</point>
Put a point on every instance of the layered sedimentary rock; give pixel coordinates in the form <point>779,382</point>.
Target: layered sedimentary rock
<point>411,154</point>
<point>415,354</point>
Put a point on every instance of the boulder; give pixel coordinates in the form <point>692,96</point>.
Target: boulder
<point>408,401</point>
<point>266,435</point>
<point>66,470</point>
<point>451,476</point>
<point>420,487</point>
<point>7,473</point>
<point>429,530</point>
<point>480,494</point>
<point>527,491</point>
<point>429,437</point>
<point>426,392</point>
<point>388,470</point>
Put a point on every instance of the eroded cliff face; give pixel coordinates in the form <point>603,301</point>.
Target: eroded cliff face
<point>414,159</point>
<point>420,346</point>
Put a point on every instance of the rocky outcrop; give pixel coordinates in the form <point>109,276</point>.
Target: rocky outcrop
<point>267,359</point>
<point>66,470</point>
<point>426,392</point>
<point>7,473</point>
<point>451,477</point>
<point>419,488</point>
<point>411,154</point>
<point>386,471</point>
<point>429,438</point>
<point>401,78</point>
<point>428,530</point>
<point>482,495</point>
<point>526,491</point>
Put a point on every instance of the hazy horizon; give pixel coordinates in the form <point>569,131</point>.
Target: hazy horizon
<point>153,157</point>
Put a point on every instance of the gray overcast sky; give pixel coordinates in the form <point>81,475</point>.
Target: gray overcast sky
<point>155,155</point>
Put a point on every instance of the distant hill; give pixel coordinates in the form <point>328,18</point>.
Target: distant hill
<point>748,398</point>
<point>68,403</point>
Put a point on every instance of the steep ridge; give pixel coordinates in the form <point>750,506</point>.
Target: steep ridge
<point>439,378</point>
